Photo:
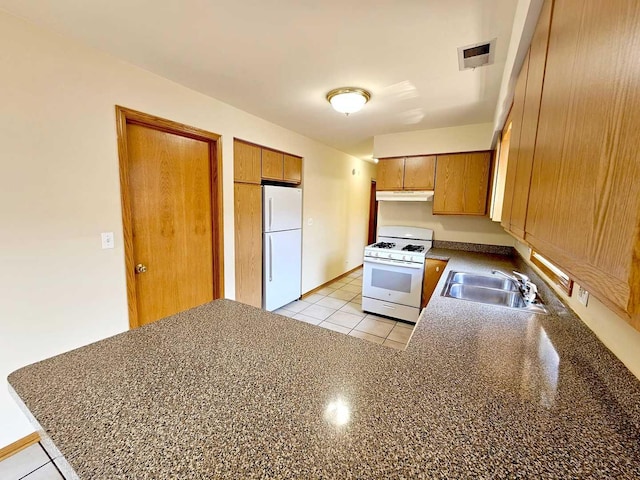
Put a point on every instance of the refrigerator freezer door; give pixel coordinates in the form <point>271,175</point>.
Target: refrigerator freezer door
<point>281,208</point>
<point>282,268</point>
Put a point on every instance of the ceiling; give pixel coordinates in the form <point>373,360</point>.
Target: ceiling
<point>277,59</point>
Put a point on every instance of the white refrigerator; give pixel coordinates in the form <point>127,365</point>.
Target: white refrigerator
<point>281,245</point>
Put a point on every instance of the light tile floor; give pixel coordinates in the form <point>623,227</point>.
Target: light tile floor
<point>32,463</point>
<point>338,307</point>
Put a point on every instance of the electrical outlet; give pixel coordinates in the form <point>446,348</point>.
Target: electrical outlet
<point>107,240</point>
<point>583,296</point>
<point>310,221</point>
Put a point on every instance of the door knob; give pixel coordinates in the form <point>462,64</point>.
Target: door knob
<point>141,268</point>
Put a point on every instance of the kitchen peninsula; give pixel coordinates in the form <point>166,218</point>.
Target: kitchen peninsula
<point>230,391</point>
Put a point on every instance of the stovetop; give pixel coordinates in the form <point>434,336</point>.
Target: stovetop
<point>398,253</point>
<point>409,244</point>
<point>392,246</point>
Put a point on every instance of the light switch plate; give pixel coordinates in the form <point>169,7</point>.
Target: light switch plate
<point>583,296</point>
<point>107,240</point>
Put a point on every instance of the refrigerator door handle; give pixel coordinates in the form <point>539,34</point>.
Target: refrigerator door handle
<point>270,259</point>
<point>270,212</point>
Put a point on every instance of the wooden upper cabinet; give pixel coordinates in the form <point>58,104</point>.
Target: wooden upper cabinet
<point>501,156</point>
<point>406,173</point>
<point>272,164</point>
<point>281,167</point>
<point>462,183</point>
<point>514,143</point>
<point>390,174</point>
<point>529,126</point>
<point>419,173</point>
<point>246,162</point>
<point>292,169</point>
<point>584,203</point>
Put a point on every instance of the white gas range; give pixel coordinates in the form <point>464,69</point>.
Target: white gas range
<point>394,272</point>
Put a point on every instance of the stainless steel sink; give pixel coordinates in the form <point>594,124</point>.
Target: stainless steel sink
<point>492,296</point>
<point>489,290</point>
<point>485,281</point>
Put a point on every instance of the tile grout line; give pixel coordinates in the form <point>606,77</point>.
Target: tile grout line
<point>344,283</point>
<point>43,465</point>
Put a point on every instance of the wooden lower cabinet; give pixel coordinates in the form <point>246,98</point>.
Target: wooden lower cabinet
<point>248,243</point>
<point>462,183</point>
<point>432,272</point>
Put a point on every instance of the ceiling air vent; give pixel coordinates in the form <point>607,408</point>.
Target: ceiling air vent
<point>476,55</point>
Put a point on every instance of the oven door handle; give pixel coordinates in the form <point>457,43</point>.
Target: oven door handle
<point>394,263</point>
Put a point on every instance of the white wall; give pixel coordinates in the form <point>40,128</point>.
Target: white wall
<point>453,228</point>
<point>465,138</point>
<point>616,333</point>
<point>59,189</point>
<point>336,218</point>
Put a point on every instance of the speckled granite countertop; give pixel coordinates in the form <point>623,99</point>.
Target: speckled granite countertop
<point>229,391</point>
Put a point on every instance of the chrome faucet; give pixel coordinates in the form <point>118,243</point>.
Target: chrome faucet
<point>506,275</point>
<point>528,289</point>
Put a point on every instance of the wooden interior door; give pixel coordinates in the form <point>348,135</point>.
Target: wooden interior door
<point>171,216</point>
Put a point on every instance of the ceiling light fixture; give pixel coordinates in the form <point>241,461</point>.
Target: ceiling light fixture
<point>348,99</point>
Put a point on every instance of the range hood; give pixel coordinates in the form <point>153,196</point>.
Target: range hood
<point>405,196</point>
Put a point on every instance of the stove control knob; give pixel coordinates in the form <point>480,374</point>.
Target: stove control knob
<point>406,257</point>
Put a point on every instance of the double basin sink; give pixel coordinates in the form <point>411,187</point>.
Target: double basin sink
<point>489,290</point>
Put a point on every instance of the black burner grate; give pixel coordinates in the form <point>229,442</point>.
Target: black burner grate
<point>384,245</point>
<point>414,248</point>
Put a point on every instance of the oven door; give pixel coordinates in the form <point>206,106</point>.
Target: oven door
<point>393,282</point>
